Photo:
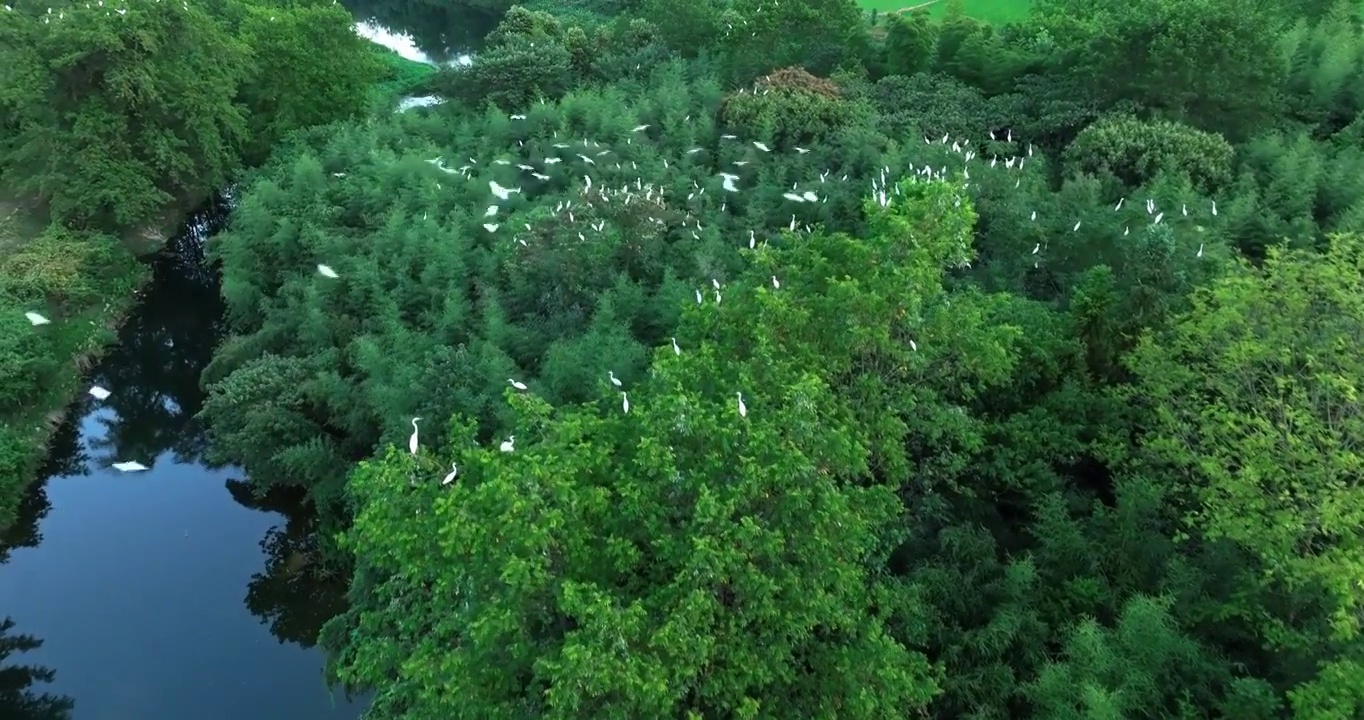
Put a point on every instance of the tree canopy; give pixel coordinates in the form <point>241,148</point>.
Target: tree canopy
<point>765,360</point>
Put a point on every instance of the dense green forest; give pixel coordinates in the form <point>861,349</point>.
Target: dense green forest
<point>909,369</point>
<point>757,359</point>
<point>115,120</point>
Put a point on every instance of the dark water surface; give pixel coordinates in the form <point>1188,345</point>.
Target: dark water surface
<point>170,594</point>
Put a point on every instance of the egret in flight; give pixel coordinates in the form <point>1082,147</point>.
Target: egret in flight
<point>412,441</point>
<point>130,466</point>
<point>99,393</point>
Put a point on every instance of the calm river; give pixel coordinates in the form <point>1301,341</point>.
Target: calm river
<point>170,594</point>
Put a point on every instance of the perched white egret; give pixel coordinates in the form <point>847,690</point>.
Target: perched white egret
<point>412,441</point>
<point>490,227</point>
<point>100,393</point>
<point>1214,208</point>
<point>698,297</point>
<point>676,350</point>
<point>625,403</point>
<point>913,345</point>
<point>491,211</point>
<point>801,150</point>
<point>1077,227</point>
<point>1036,248</point>
<point>1119,205</point>
<point>640,128</point>
<point>36,319</point>
<point>743,409</point>
<point>1200,250</point>
<point>326,271</point>
<point>508,445</point>
<point>517,384</point>
<point>1033,216</point>
<point>450,477</point>
<point>775,283</point>
<point>761,146</point>
<point>502,193</point>
<point>1157,220</point>
<point>612,375</point>
<point>1184,208</point>
<point>129,466</point>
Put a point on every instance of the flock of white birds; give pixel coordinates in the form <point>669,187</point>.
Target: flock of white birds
<point>614,186</point>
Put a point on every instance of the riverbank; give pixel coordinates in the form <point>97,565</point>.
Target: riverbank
<point>85,284</point>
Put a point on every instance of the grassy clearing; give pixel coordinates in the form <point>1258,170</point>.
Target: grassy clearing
<point>401,77</point>
<point>997,12</point>
<point>85,284</point>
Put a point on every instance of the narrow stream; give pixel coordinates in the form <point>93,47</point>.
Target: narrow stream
<point>170,594</point>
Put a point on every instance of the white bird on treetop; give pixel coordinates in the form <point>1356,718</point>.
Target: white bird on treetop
<point>743,409</point>
<point>326,271</point>
<point>517,384</point>
<point>508,445</point>
<point>412,441</point>
<point>449,478</point>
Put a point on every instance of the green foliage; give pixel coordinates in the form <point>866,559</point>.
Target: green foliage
<point>289,88</point>
<point>80,282</point>
<point>120,115</point>
<point>1136,152</point>
<point>911,43</point>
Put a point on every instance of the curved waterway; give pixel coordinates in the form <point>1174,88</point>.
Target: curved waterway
<point>169,594</point>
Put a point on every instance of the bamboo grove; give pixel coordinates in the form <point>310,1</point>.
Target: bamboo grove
<point>764,360</point>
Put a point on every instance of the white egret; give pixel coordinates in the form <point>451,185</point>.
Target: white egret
<point>676,350</point>
<point>913,345</point>
<point>129,466</point>
<point>801,150</point>
<point>1157,220</point>
<point>517,384</point>
<point>1033,216</point>
<point>1214,208</point>
<point>1036,247</point>
<point>502,193</point>
<point>761,146</point>
<point>1184,208</point>
<point>36,319</point>
<point>100,393</point>
<point>625,403</point>
<point>698,297</point>
<point>491,211</point>
<point>412,441</point>
<point>640,128</point>
<point>614,380</point>
<point>508,445</point>
<point>743,409</point>
<point>1077,227</point>
<point>775,284</point>
<point>450,477</point>
<point>327,272</point>
<point>491,227</point>
<point>1200,250</point>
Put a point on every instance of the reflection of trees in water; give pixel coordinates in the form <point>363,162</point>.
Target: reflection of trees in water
<point>441,29</point>
<point>297,593</point>
<point>18,701</point>
<point>163,347</point>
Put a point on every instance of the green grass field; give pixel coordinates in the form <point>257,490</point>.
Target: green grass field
<point>991,11</point>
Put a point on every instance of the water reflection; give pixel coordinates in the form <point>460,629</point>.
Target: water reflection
<point>135,582</point>
<point>18,699</point>
<point>163,349</point>
<point>297,593</point>
<point>442,31</point>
